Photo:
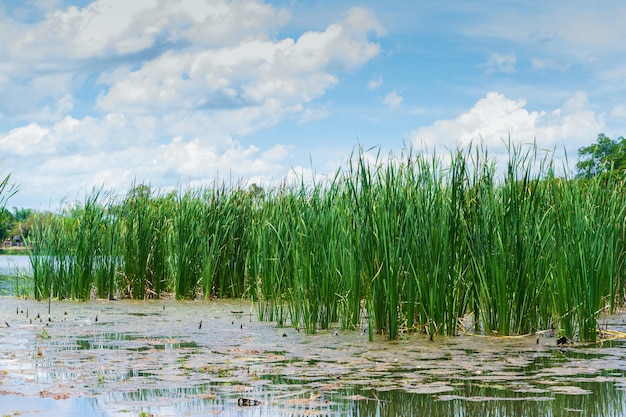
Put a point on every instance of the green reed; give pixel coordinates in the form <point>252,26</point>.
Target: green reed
<point>590,248</point>
<point>210,244</point>
<point>359,184</point>
<point>509,238</point>
<point>318,275</point>
<point>42,255</point>
<point>65,251</point>
<point>396,244</point>
<point>274,252</point>
<point>108,261</point>
<point>7,190</point>
<point>226,250</point>
<point>188,244</point>
<point>143,227</point>
<point>86,251</point>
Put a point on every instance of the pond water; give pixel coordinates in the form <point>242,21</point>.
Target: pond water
<point>124,358</point>
<point>10,263</point>
<point>10,267</point>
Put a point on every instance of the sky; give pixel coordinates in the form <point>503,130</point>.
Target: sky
<point>178,94</point>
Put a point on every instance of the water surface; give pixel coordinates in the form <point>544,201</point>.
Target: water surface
<point>121,358</point>
<point>12,266</point>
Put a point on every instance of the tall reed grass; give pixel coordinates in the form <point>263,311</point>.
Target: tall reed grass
<point>391,244</point>
<point>7,190</point>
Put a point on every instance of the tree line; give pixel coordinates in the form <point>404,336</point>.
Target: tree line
<point>16,223</point>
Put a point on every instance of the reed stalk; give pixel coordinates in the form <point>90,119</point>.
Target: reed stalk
<point>395,244</point>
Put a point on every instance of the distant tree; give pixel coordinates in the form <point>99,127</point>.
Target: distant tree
<point>24,222</point>
<point>6,223</point>
<point>22,214</point>
<point>605,157</point>
<point>256,191</point>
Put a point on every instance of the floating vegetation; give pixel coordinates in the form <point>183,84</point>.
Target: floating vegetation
<point>387,245</point>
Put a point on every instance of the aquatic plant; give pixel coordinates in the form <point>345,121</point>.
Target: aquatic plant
<point>7,190</point>
<point>143,220</point>
<point>398,243</point>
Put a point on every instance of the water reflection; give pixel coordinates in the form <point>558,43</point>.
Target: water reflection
<point>153,357</point>
<point>12,268</point>
<point>15,405</point>
<point>603,401</point>
<point>470,400</point>
<point>14,264</point>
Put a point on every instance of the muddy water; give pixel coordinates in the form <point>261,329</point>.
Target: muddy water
<point>168,358</point>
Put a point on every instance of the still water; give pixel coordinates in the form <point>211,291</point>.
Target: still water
<point>197,358</point>
<point>11,266</point>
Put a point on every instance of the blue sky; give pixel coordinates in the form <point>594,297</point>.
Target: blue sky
<point>108,92</point>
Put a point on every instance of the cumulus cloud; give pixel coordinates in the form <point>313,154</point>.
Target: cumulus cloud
<point>62,163</point>
<point>165,89</point>
<point>117,27</point>
<point>150,55</point>
<point>393,100</point>
<point>495,118</point>
<point>287,72</point>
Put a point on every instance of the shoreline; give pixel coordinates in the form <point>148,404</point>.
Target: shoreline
<point>13,250</point>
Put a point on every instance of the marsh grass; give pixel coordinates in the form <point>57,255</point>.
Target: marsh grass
<point>7,190</point>
<point>396,243</point>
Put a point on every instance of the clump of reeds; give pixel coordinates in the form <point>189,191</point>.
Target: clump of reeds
<point>143,228</point>
<point>392,244</point>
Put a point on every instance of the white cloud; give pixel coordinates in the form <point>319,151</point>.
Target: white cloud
<point>264,79</point>
<point>495,118</point>
<point>393,100</point>
<point>41,97</point>
<point>613,76</point>
<point>161,89</point>
<point>114,27</point>
<point>547,65</point>
<point>47,5</point>
<point>619,112</point>
<point>312,113</point>
<point>46,61</point>
<point>119,151</point>
<point>24,141</point>
<point>70,136</point>
<point>298,174</point>
<point>501,63</point>
<point>573,30</point>
<point>375,83</point>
